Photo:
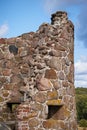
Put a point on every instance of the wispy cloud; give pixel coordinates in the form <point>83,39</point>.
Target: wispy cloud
<point>81,67</point>
<point>3,30</point>
<point>81,72</point>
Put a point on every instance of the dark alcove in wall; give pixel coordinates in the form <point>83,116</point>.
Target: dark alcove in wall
<point>52,110</point>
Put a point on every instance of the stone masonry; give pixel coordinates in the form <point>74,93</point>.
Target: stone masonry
<point>37,77</point>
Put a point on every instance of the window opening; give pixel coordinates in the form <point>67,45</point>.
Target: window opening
<point>53,110</point>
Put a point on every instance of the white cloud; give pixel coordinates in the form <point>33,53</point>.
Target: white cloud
<point>81,83</point>
<point>81,67</point>
<point>3,29</point>
<point>81,72</point>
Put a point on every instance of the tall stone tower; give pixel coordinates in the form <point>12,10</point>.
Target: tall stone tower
<point>37,77</point>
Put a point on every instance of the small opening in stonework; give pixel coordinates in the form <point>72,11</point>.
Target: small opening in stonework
<point>53,111</point>
<point>12,106</point>
<point>11,109</point>
<point>13,49</point>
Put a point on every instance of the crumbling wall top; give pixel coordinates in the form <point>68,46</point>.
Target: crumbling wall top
<point>59,17</point>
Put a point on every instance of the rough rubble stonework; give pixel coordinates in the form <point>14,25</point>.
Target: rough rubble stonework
<point>37,77</point>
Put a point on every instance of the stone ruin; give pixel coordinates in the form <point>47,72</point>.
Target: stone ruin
<point>37,78</point>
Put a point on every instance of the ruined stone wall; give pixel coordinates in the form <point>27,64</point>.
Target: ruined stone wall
<point>37,77</point>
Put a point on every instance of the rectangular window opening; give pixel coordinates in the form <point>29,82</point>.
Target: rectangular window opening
<point>12,106</point>
<point>53,111</point>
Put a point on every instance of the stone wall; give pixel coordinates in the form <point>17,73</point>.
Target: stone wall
<point>37,77</point>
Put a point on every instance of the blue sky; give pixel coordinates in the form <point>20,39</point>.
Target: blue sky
<point>21,16</point>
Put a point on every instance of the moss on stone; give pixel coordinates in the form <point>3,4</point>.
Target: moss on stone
<point>54,102</point>
<point>1,99</point>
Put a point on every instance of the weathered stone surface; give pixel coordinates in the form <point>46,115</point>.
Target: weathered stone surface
<point>5,93</point>
<point>55,63</point>
<point>1,99</point>
<point>15,79</point>
<point>15,96</point>
<point>55,53</point>
<point>22,112</point>
<point>11,41</point>
<point>8,86</point>
<point>9,64</point>
<point>50,74</point>
<point>9,55</point>
<point>15,71</point>
<point>24,125</point>
<point>6,72</point>
<point>40,97</point>
<point>1,54</point>
<point>61,124</point>
<point>56,84</point>
<point>54,102</point>
<point>52,95</point>
<point>3,80</point>
<point>65,83</point>
<point>63,42</point>
<point>61,76</point>
<point>70,77</point>
<point>3,126</point>
<point>37,106</point>
<point>66,69</point>
<point>44,84</point>
<point>40,66</point>
<point>24,89</point>
<point>59,47</point>
<point>27,36</point>
<point>2,41</point>
<point>67,62</point>
<point>50,124</point>
<point>23,53</point>
<point>64,34</point>
<point>59,18</point>
<point>32,114</point>
<point>30,128</point>
<point>44,113</point>
<point>54,124</point>
<point>34,122</point>
<point>71,89</point>
<point>71,57</point>
<point>29,60</point>
<point>24,70</point>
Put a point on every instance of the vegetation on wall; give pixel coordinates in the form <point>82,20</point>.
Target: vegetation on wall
<point>81,106</point>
